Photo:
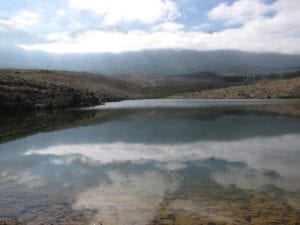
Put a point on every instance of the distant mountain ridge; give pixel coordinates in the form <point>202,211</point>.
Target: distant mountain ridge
<point>154,62</point>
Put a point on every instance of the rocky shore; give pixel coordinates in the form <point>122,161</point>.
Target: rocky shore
<point>11,222</point>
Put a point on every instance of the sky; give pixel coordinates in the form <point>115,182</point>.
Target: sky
<point>100,26</point>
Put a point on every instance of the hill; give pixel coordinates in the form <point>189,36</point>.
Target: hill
<point>278,88</point>
<point>189,80</point>
<point>159,86</point>
<point>31,89</point>
<point>45,89</point>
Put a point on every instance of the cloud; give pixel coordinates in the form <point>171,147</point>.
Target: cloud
<point>11,38</point>
<point>23,19</point>
<point>259,36</point>
<point>257,31</point>
<point>60,13</point>
<point>201,26</point>
<point>169,27</point>
<point>239,12</point>
<point>143,11</point>
<point>58,37</point>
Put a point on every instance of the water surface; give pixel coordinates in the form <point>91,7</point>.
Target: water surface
<point>154,162</point>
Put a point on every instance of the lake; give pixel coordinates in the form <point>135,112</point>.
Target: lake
<point>153,162</point>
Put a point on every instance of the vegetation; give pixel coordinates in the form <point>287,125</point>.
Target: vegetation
<point>263,89</point>
<point>182,86</point>
<point>163,86</point>
<point>43,89</point>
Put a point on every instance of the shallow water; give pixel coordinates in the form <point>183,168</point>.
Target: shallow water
<point>154,162</point>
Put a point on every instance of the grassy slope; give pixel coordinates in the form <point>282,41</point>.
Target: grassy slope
<point>189,80</point>
<point>100,85</point>
<point>57,89</point>
<point>157,86</point>
<point>53,89</point>
<point>280,88</point>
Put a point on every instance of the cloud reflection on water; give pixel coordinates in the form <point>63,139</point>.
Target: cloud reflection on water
<point>279,154</point>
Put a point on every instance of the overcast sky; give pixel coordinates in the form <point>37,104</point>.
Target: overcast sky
<point>88,26</point>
